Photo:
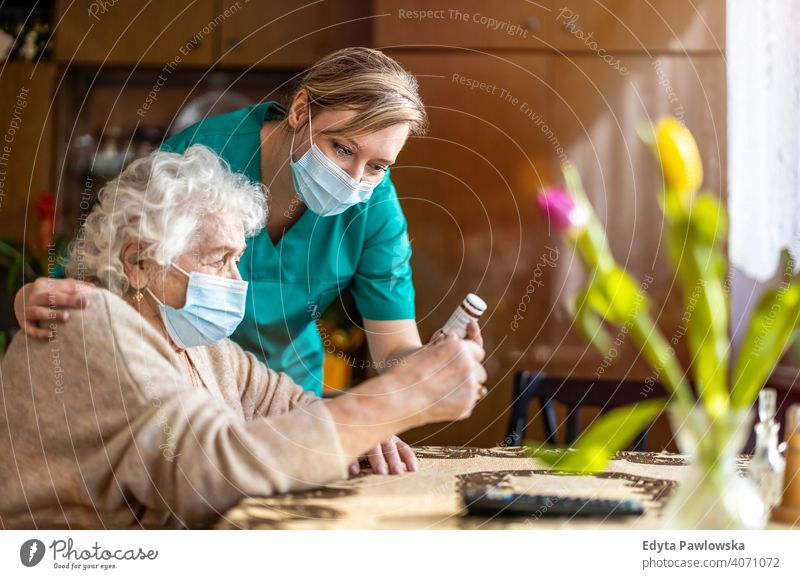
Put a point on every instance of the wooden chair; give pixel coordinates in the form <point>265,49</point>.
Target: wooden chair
<point>575,394</point>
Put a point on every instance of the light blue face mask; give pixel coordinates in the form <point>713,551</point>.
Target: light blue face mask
<point>214,308</point>
<point>324,186</point>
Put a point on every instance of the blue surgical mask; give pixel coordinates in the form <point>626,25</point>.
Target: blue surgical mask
<point>214,308</point>
<point>324,186</point>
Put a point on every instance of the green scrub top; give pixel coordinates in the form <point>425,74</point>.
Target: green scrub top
<point>293,281</point>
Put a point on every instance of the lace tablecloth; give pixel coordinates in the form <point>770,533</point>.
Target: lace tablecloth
<point>431,497</point>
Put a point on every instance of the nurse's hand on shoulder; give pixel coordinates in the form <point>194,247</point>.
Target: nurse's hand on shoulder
<point>47,300</point>
<point>392,457</point>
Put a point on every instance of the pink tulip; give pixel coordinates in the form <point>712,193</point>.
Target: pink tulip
<point>560,209</point>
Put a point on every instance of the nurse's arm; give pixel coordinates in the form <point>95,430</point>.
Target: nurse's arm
<point>390,341</point>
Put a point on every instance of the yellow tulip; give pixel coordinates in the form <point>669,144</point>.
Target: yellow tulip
<point>680,160</point>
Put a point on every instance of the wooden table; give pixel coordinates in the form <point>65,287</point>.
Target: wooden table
<point>431,498</point>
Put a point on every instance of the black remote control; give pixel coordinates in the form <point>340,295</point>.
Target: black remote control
<point>504,503</point>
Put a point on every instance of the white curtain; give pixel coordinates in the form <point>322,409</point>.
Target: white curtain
<point>763,55</point>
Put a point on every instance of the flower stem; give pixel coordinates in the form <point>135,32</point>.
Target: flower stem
<point>661,357</point>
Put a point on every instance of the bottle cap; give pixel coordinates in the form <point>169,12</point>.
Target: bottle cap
<point>475,304</point>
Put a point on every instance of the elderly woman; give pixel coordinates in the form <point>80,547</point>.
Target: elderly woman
<point>139,412</point>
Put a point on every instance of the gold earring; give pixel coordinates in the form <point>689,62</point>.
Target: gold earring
<point>137,297</point>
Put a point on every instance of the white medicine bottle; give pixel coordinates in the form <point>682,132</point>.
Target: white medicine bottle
<point>470,310</point>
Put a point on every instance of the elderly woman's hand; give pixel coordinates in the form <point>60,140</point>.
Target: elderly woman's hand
<point>473,333</point>
<point>389,458</point>
<point>437,383</point>
<point>48,299</point>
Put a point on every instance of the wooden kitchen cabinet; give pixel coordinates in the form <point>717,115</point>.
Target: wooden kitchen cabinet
<point>466,23</point>
<point>603,26</point>
<point>598,26</point>
<point>26,149</point>
<point>232,33</point>
<point>131,33</point>
<point>291,33</point>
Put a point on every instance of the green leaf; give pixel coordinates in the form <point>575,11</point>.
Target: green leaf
<point>771,331</point>
<point>8,250</point>
<point>624,295</point>
<point>700,265</point>
<point>609,434</point>
<point>591,240</point>
<point>589,323</point>
<point>572,180</point>
<point>9,253</point>
<point>695,237</point>
<point>21,267</point>
<point>615,296</point>
<point>709,219</point>
<point>671,205</point>
<point>14,274</point>
<point>661,356</point>
<point>708,331</point>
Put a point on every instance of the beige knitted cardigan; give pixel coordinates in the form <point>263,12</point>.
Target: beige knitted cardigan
<point>99,428</point>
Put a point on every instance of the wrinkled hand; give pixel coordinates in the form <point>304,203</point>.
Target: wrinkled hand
<point>392,457</point>
<point>48,300</point>
<point>473,333</point>
<point>448,375</point>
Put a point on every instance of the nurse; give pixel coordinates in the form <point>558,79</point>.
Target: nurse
<point>334,222</point>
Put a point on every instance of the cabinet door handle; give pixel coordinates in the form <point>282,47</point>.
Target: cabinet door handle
<point>234,41</point>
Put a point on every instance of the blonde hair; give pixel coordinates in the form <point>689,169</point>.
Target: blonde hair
<point>369,82</point>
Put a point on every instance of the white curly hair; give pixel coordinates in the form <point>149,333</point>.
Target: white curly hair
<point>161,200</point>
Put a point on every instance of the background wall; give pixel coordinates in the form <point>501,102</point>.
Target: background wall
<point>514,89</point>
